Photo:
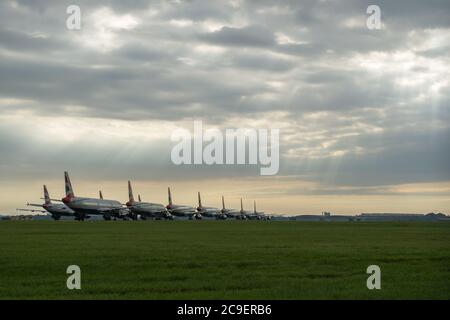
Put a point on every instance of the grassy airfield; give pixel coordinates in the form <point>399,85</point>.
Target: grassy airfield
<point>224,259</point>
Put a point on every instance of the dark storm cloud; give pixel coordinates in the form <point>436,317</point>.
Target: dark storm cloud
<point>408,156</point>
<point>258,62</point>
<point>21,41</point>
<point>243,60</point>
<point>162,57</point>
<point>196,10</point>
<point>252,36</point>
<point>415,14</point>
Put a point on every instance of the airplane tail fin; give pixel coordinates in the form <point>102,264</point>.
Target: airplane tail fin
<point>100,194</point>
<point>223,203</point>
<point>254,206</point>
<point>170,196</point>
<point>130,192</point>
<point>69,189</point>
<point>242,206</point>
<point>139,198</point>
<point>46,196</point>
<point>199,200</point>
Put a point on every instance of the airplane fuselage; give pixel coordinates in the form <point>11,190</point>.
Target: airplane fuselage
<point>255,216</point>
<point>181,210</point>
<point>148,209</point>
<point>91,206</point>
<point>58,210</point>
<point>230,213</point>
<point>209,212</point>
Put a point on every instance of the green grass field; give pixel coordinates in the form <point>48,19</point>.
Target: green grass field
<point>224,260</point>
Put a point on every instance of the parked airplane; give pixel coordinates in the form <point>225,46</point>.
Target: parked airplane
<point>209,211</point>
<point>56,210</point>
<point>253,215</point>
<point>230,213</point>
<point>146,209</point>
<point>244,214</point>
<point>84,207</point>
<point>182,210</point>
<point>259,214</point>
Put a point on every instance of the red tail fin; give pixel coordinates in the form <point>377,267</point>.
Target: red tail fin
<point>170,196</point>
<point>69,189</point>
<point>199,200</point>
<point>130,193</point>
<point>46,196</point>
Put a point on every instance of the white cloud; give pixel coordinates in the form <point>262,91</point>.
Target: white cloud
<point>101,31</point>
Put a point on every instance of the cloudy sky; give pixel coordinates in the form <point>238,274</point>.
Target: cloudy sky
<point>364,115</point>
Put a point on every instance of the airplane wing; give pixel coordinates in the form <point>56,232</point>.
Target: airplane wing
<point>56,200</point>
<point>122,211</point>
<point>34,205</point>
<point>32,210</point>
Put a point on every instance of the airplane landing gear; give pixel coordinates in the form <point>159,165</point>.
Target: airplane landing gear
<point>198,216</point>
